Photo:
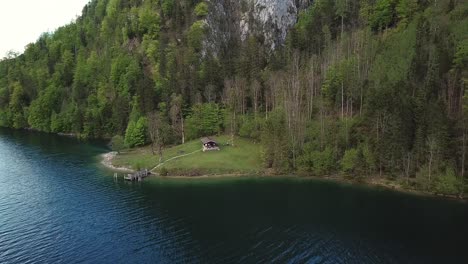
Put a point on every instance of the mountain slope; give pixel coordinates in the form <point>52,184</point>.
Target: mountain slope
<point>356,87</point>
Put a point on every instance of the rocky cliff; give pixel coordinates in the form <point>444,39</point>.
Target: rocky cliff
<point>233,20</point>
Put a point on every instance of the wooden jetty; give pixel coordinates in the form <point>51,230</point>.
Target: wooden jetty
<point>138,176</point>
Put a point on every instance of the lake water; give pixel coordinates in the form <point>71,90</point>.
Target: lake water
<point>57,205</point>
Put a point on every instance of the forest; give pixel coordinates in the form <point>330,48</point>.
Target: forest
<point>362,88</point>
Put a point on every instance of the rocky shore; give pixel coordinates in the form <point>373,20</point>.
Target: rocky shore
<point>107,162</point>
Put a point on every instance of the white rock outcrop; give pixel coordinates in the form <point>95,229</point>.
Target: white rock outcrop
<point>272,19</point>
<point>232,20</point>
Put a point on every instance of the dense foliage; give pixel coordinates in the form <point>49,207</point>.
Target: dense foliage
<point>362,87</point>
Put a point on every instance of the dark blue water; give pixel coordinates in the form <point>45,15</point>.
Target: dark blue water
<point>57,205</point>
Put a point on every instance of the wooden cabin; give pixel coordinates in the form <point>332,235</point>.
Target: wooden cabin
<point>209,144</point>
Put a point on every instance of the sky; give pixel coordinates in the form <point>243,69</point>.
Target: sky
<point>23,21</point>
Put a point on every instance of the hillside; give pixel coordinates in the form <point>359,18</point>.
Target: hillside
<point>362,88</point>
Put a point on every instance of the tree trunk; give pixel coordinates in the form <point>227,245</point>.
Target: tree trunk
<point>463,163</point>
<point>311,89</point>
<point>342,99</point>
<point>408,168</point>
<point>463,155</point>
<point>152,147</point>
<point>378,140</point>
<point>322,129</point>
<point>160,153</point>
<point>430,165</point>
<point>233,120</point>
<point>183,129</point>
<point>360,104</point>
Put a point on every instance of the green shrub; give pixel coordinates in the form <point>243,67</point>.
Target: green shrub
<point>422,180</point>
<point>319,163</point>
<point>368,158</point>
<point>448,183</point>
<point>383,14</point>
<point>201,9</point>
<point>325,162</point>
<point>274,139</point>
<point>351,161</point>
<point>135,135</point>
<point>163,171</point>
<point>442,181</point>
<point>195,35</point>
<point>250,127</point>
<point>3,119</point>
<point>138,166</point>
<point>167,6</point>
<point>117,143</point>
<point>205,120</point>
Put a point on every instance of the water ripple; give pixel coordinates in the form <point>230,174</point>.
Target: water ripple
<point>56,206</point>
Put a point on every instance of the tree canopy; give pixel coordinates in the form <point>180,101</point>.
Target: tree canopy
<point>368,87</point>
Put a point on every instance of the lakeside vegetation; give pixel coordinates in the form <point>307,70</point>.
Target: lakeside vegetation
<point>360,88</point>
<point>243,158</point>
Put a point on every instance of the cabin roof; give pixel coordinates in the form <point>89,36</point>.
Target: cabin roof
<point>206,140</point>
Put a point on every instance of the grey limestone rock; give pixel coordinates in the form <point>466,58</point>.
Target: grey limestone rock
<point>234,20</point>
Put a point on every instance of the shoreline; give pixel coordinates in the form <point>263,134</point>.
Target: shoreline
<point>106,161</point>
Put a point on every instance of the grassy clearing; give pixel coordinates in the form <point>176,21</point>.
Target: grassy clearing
<point>241,159</point>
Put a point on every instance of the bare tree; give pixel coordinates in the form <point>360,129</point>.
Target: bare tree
<point>311,86</point>
<point>176,115</point>
<point>156,132</point>
<point>231,102</point>
<point>240,85</point>
<point>267,97</point>
<point>407,166</point>
<point>432,144</point>
<point>294,106</point>
<point>275,90</point>
<point>255,90</point>
<point>210,93</point>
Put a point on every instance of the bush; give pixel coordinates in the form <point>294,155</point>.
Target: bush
<point>201,9</point>
<point>442,181</point>
<point>135,135</point>
<point>163,171</point>
<point>250,127</point>
<point>422,180</point>
<point>117,143</point>
<point>275,142</point>
<point>205,120</point>
<point>138,166</point>
<point>56,123</point>
<point>196,34</point>
<point>368,158</point>
<point>320,163</point>
<point>325,162</point>
<point>383,15</point>
<point>167,6</point>
<point>351,161</point>
<point>448,183</point>
<point>3,119</point>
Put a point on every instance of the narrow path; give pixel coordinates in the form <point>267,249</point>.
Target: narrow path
<point>173,158</point>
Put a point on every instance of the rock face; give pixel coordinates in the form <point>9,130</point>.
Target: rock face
<point>272,18</point>
<point>234,20</point>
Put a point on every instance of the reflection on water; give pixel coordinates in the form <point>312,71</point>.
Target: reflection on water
<point>56,205</point>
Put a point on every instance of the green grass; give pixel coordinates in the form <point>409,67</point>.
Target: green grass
<point>244,158</point>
